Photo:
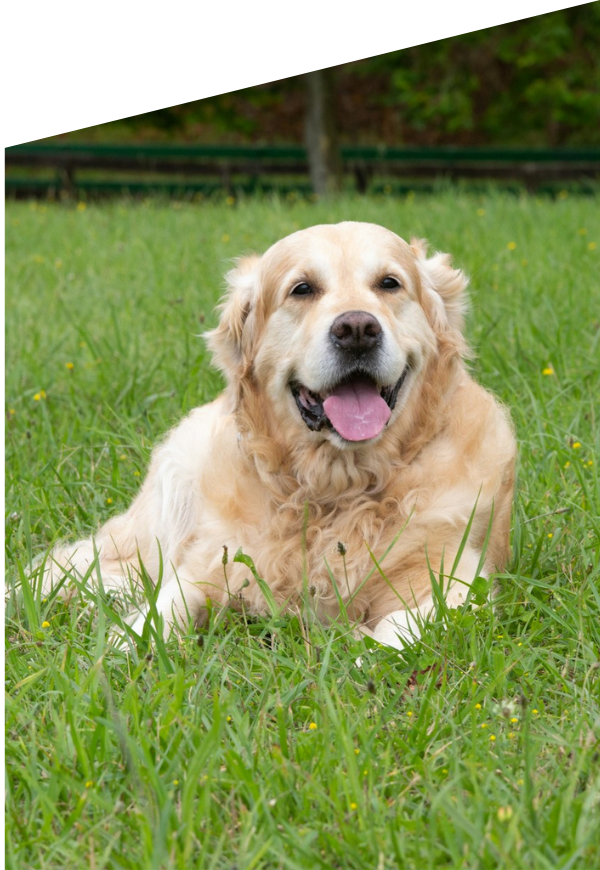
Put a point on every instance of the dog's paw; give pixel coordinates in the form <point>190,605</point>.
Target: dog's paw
<point>398,629</point>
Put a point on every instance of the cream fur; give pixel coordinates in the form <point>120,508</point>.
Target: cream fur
<point>246,472</point>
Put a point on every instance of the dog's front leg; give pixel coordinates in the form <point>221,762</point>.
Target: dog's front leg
<point>402,627</point>
<point>180,602</point>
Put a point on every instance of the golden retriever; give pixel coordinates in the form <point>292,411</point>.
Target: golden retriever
<point>351,455</point>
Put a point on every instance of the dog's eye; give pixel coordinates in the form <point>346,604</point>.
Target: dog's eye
<point>389,283</point>
<point>302,289</point>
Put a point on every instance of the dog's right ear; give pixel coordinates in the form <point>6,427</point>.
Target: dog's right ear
<point>231,340</point>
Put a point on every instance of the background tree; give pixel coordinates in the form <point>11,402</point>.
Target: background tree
<point>321,132</point>
<point>530,82</point>
<point>534,82</point>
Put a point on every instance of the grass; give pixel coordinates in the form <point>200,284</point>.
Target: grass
<point>265,744</point>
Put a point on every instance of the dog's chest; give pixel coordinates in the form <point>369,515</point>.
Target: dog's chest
<point>322,547</point>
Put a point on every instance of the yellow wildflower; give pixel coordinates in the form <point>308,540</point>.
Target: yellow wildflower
<point>225,237</point>
<point>480,212</point>
<point>81,206</point>
<point>592,246</point>
<point>576,445</point>
<point>353,806</point>
<point>45,624</point>
<point>313,726</point>
<point>511,246</point>
<point>70,366</point>
<point>548,370</point>
<point>492,737</point>
<point>478,706</point>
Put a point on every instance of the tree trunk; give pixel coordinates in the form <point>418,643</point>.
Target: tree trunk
<point>324,160</point>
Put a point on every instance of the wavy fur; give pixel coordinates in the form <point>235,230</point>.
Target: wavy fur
<point>371,518</point>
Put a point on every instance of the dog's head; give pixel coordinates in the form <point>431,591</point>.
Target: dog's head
<point>336,325</point>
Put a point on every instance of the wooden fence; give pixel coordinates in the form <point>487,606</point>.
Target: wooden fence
<point>92,169</point>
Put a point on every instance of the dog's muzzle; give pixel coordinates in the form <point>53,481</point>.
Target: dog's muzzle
<point>356,408</point>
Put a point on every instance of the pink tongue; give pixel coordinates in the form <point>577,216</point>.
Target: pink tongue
<point>357,411</point>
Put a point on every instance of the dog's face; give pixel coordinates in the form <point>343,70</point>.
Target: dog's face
<point>336,325</point>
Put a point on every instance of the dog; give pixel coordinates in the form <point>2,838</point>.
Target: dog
<point>351,455</point>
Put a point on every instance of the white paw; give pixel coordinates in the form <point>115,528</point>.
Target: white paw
<point>137,623</point>
<point>398,630</point>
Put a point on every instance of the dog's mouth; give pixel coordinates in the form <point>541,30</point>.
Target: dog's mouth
<point>357,408</point>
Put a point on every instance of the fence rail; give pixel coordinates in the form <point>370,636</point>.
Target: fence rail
<point>96,167</point>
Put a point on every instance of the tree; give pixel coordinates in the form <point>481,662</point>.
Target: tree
<point>533,82</point>
<point>321,136</point>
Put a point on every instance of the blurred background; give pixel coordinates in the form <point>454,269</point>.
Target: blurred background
<point>518,103</point>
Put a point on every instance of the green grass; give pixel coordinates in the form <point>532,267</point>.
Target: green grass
<point>265,745</point>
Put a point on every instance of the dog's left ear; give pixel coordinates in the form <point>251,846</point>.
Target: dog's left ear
<point>231,339</point>
<point>444,297</point>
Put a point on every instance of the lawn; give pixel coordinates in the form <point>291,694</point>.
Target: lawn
<point>265,744</point>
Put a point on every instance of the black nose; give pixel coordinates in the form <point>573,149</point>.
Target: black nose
<point>356,331</point>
